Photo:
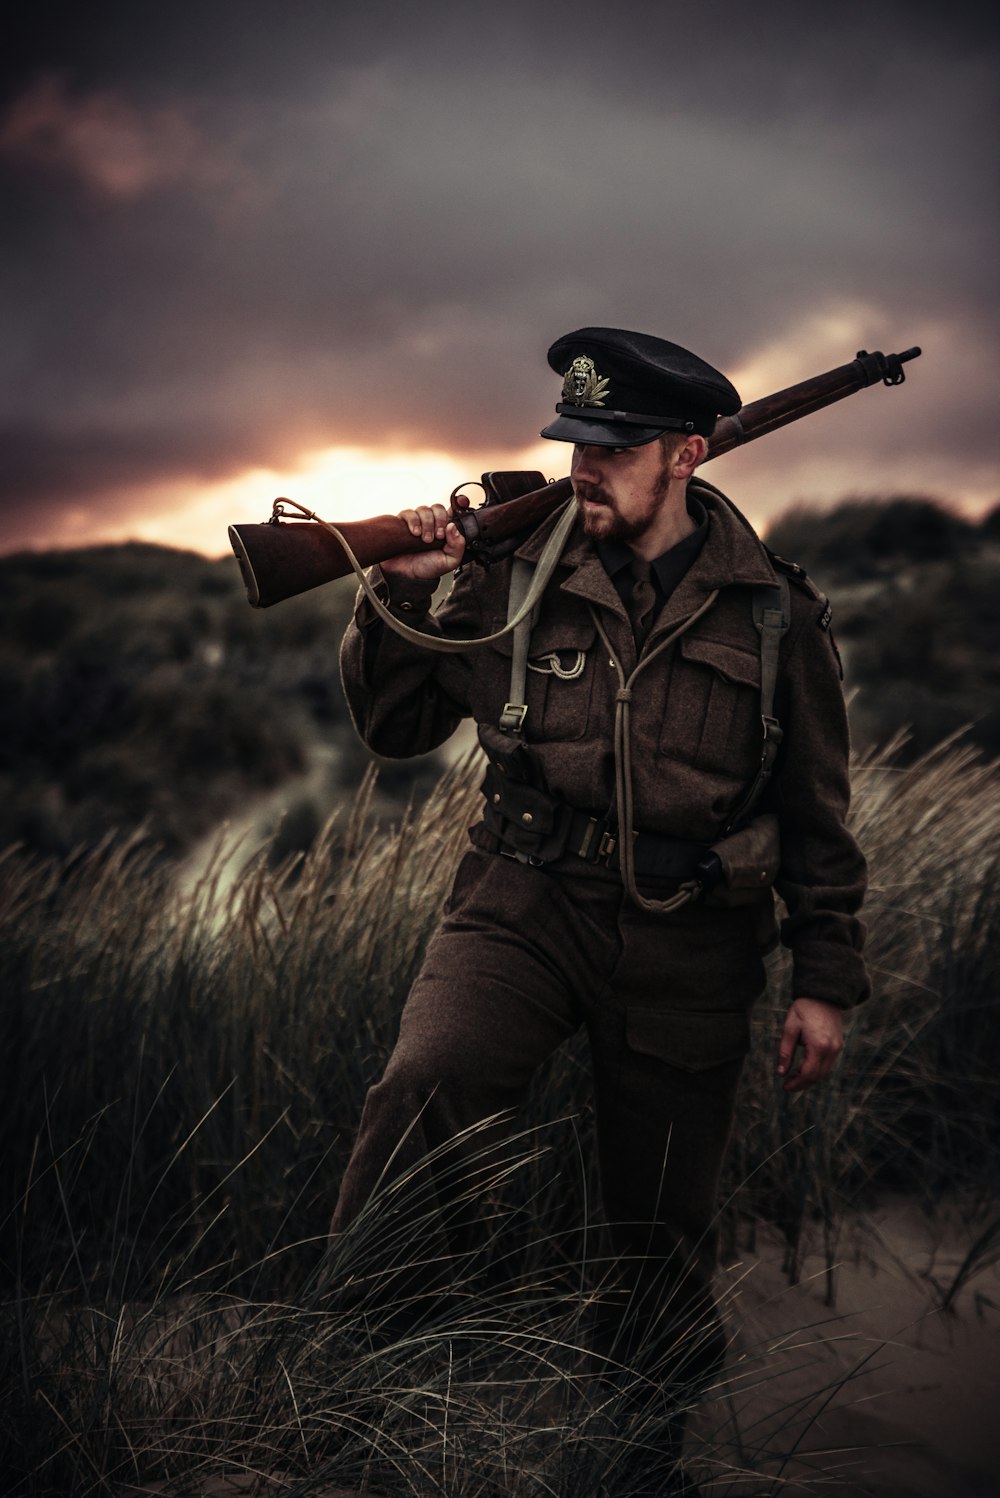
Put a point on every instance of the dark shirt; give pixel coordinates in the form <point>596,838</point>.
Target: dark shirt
<point>667,569</point>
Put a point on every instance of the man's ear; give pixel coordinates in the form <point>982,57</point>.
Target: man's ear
<point>687,456</point>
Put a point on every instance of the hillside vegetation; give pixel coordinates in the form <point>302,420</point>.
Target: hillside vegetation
<point>916,613</point>
<point>137,686</point>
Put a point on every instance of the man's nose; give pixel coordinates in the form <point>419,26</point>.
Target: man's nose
<point>586,458</point>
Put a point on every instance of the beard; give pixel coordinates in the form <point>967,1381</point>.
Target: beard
<point>607,523</point>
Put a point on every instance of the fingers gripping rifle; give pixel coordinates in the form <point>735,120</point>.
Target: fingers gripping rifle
<point>283,557</point>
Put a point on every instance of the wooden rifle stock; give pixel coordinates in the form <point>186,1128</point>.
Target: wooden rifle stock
<point>280,558</point>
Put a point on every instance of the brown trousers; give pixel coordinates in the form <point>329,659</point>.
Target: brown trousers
<point>525,956</point>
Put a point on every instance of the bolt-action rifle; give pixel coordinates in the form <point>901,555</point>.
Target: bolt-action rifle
<point>285,556</point>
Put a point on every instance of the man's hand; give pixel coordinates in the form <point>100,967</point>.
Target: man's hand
<point>430,523</point>
<point>819,1029</point>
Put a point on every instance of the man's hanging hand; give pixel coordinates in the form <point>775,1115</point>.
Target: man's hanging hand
<point>816,1028</point>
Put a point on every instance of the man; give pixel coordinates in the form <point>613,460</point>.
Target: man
<point>637,746</point>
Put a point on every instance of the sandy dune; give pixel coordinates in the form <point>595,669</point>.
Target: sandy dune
<point>917,1413</point>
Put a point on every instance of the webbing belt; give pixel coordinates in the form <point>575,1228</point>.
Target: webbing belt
<point>558,830</point>
<point>655,856</point>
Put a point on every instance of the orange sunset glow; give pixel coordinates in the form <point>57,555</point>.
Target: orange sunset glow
<point>356,483</point>
<point>328,260</point>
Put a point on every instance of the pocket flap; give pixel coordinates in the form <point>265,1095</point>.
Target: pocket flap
<point>687,1038</point>
<point>739,666</point>
<point>565,638</point>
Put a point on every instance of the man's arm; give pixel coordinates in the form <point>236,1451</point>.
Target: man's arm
<point>405,700</point>
<point>823,875</point>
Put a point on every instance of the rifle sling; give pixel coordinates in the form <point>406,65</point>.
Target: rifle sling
<point>542,573</point>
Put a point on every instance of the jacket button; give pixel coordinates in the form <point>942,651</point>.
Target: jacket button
<point>527,818</point>
<point>496,798</point>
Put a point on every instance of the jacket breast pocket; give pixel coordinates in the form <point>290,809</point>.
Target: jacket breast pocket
<point>712,716</point>
<point>559,680</point>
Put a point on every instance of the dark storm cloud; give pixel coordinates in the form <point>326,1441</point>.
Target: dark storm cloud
<point>240,230</point>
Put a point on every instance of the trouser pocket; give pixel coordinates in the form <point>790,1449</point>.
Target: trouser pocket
<point>690,1041</point>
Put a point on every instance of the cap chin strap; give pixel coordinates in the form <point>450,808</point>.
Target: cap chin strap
<point>546,566</point>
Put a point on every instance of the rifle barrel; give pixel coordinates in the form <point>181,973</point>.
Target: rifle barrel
<point>280,560</point>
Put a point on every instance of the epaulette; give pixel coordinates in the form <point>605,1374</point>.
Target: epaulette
<point>796,573</point>
<point>801,578</point>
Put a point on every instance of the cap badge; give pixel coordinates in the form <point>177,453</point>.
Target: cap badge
<point>582,385</point>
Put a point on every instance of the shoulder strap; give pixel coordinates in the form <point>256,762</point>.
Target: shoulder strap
<point>515,709</point>
<point>772,617</point>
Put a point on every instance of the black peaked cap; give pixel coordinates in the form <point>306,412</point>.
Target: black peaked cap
<point>623,389</point>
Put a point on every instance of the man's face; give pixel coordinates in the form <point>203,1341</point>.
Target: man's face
<point>619,490</point>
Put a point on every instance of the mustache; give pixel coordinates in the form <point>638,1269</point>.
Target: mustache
<point>593,492</point>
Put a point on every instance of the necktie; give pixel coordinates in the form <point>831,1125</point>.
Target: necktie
<point>641,601</point>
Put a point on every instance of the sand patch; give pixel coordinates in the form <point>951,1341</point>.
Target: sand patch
<point>886,1394</point>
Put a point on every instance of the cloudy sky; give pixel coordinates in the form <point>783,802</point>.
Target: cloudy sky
<point>296,246</point>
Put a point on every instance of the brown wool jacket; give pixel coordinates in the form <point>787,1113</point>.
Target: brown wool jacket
<point>696,731</point>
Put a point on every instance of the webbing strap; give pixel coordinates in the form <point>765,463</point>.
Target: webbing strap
<point>515,709</point>
<point>546,566</point>
<point>772,616</point>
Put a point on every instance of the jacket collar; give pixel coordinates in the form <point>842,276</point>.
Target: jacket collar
<point>668,568</point>
<point>732,554</point>
<point>580,568</point>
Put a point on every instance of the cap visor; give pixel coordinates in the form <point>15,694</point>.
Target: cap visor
<point>599,433</point>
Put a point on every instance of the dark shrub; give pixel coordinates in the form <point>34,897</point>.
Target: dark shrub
<point>864,536</point>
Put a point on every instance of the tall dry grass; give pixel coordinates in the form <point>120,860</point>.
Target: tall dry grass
<point>182,1076</point>
<point>915,1104</point>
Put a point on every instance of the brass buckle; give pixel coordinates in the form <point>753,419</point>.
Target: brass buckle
<point>513,716</point>
<point>528,858</point>
<point>605,843</point>
<point>583,851</point>
<point>606,848</point>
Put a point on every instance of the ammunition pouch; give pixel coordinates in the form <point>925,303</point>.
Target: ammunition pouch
<point>739,868</point>
<point>520,810</point>
<point>531,825</point>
